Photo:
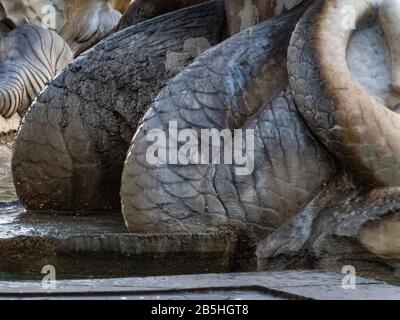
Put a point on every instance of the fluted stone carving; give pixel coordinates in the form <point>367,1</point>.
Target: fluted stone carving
<point>29,58</point>
<point>81,23</point>
<point>32,54</point>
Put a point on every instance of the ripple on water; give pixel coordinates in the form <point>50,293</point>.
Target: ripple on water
<point>16,221</point>
<point>9,226</point>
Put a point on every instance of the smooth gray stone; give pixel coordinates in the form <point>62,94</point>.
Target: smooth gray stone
<point>290,285</point>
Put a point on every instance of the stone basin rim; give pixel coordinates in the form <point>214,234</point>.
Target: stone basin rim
<point>300,284</point>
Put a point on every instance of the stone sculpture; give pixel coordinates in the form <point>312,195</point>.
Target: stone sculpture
<point>32,54</point>
<point>319,88</point>
<point>30,57</point>
<point>81,23</point>
<point>90,113</point>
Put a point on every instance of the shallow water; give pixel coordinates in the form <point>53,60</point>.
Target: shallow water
<point>16,221</point>
<point>23,277</point>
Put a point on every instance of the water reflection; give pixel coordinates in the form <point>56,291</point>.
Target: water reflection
<point>16,221</point>
<point>9,217</point>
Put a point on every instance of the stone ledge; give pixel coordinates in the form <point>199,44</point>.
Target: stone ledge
<point>318,285</point>
<point>99,245</point>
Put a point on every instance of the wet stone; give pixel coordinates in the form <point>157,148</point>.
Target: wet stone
<point>99,245</point>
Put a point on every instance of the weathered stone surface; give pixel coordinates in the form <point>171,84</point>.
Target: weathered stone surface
<point>345,85</point>
<point>99,245</point>
<point>30,57</point>
<point>239,84</point>
<point>316,285</point>
<point>243,14</point>
<point>80,23</point>
<point>325,125</point>
<point>340,227</point>
<point>8,131</point>
<point>357,124</point>
<point>72,145</point>
<point>349,223</point>
<point>7,189</point>
<point>84,23</point>
<point>141,10</point>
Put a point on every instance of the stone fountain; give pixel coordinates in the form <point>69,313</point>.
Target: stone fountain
<point>317,82</point>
